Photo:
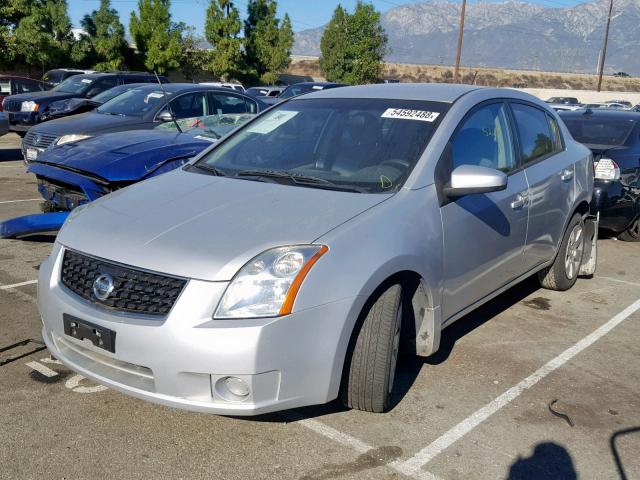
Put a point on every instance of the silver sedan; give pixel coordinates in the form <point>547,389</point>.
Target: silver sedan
<point>288,264</point>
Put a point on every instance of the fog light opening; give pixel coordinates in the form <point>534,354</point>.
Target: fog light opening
<point>232,389</point>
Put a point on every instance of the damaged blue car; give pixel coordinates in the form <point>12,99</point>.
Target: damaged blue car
<point>73,174</point>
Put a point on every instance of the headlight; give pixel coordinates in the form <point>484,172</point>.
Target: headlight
<point>29,106</point>
<point>267,286</point>
<point>75,137</point>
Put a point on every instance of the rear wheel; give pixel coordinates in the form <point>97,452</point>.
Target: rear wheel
<point>631,234</point>
<point>562,274</point>
<point>371,371</point>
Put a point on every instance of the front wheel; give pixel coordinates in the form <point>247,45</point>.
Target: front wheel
<point>562,274</point>
<point>372,367</point>
<point>631,234</point>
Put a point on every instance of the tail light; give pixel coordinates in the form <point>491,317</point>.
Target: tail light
<point>606,169</point>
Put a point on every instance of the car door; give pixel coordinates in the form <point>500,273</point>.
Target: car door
<point>484,234</point>
<point>550,173</point>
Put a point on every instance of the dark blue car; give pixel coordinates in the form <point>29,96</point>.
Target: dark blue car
<point>614,138</point>
<point>72,174</point>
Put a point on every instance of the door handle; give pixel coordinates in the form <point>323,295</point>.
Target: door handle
<point>521,200</point>
<point>566,175</point>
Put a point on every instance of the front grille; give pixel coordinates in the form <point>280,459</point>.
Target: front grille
<point>11,105</point>
<point>38,140</point>
<point>134,290</point>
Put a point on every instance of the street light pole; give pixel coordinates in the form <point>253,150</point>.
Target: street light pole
<point>460,33</point>
<point>604,48</point>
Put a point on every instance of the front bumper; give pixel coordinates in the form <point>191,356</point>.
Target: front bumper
<point>179,360</point>
<point>22,121</point>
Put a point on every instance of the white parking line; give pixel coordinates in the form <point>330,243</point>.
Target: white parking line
<point>18,201</point>
<point>21,284</point>
<point>413,465</point>
<point>38,367</point>
<point>621,281</point>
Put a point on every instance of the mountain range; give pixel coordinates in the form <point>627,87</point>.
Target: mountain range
<point>512,34</point>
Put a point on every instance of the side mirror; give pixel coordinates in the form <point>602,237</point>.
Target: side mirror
<point>165,116</point>
<point>470,179</point>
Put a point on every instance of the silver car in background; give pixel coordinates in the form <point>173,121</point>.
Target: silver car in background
<point>287,265</point>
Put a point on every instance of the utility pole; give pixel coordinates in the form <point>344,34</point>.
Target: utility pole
<point>604,48</point>
<point>456,73</point>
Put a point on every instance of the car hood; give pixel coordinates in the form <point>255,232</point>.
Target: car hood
<point>206,227</point>
<point>88,122</point>
<point>48,96</point>
<point>123,156</point>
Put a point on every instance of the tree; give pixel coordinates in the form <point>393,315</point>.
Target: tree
<point>194,58</point>
<point>157,38</point>
<point>354,45</point>
<point>333,46</point>
<point>222,30</point>
<point>44,36</point>
<point>268,41</point>
<point>106,37</point>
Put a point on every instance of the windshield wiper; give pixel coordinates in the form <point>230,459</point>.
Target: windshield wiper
<point>297,179</point>
<point>208,168</point>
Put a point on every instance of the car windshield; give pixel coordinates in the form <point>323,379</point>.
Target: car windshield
<point>210,126</point>
<point>76,84</point>
<point>600,131</point>
<point>107,95</point>
<point>295,90</point>
<point>53,76</point>
<point>364,145</point>
<point>134,103</point>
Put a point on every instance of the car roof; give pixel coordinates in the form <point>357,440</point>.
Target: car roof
<point>602,113</point>
<point>185,87</point>
<point>435,92</point>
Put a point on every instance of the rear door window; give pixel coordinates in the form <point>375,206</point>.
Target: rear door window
<point>536,138</point>
<point>221,103</point>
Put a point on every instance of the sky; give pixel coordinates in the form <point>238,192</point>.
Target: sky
<point>304,13</point>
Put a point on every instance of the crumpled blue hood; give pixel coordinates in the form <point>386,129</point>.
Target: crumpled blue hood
<point>124,156</point>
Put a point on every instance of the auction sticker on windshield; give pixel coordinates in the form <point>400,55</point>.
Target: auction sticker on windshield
<point>273,121</point>
<point>406,114</point>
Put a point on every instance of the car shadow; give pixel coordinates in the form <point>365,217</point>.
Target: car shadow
<point>614,449</point>
<point>10,154</point>
<point>409,366</point>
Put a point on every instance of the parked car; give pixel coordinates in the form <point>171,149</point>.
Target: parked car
<point>30,109</point>
<point>284,266</point>
<point>4,124</point>
<point>71,175</point>
<point>606,105</point>
<point>564,100</point>
<point>265,91</point>
<point>300,89</point>
<point>626,103</point>
<point>614,138</point>
<point>59,75</point>
<point>233,86</point>
<point>13,85</point>
<point>74,106</point>
<point>621,74</point>
<point>561,107</point>
<point>143,107</point>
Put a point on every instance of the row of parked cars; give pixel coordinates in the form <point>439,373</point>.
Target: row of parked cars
<point>572,103</point>
<point>288,258</point>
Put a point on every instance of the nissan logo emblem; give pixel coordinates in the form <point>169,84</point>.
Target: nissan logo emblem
<point>103,286</point>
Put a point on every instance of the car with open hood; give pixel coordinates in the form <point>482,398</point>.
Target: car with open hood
<point>288,264</point>
<point>614,138</point>
<point>140,108</point>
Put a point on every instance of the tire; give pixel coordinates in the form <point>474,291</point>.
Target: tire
<point>21,134</point>
<point>562,274</point>
<point>371,372</point>
<point>631,234</point>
